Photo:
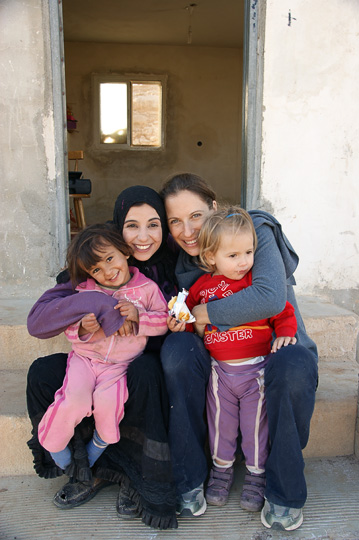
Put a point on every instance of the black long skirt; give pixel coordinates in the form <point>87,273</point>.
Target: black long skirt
<point>140,460</point>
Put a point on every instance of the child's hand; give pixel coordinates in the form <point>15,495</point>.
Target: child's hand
<point>283,341</point>
<point>174,325</point>
<point>128,310</point>
<point>126,329</point>
<point>89,324</point>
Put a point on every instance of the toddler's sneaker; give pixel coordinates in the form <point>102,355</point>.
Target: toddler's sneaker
<point>252,497</point>
<point>191,503</point>
<point>219,483</point>
<point>281,518</point>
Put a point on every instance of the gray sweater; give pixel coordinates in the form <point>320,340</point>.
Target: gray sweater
<point>272,281</point>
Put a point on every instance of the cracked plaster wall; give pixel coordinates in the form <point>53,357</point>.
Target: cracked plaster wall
<point>28,197</point>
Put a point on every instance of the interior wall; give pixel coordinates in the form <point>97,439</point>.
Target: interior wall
<point>204,99</point>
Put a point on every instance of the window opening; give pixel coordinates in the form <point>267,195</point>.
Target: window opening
<point>129,112</point>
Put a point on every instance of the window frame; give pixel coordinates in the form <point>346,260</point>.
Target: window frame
<point>128,78</point>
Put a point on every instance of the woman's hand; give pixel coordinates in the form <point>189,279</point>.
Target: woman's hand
<point>128,310</point>
<point>199,329</point>
<point>174,325</point>
<point>89,324</point>
<point>283,341</point>
<point>201,314</point>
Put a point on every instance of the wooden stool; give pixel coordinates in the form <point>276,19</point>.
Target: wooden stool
<point>75,156</point>
<point>79,208</point>
<point>77,197</point>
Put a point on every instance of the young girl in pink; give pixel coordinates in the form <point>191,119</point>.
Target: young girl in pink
<point>95,380</point>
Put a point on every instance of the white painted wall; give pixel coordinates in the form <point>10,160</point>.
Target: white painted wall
<point>310,146</point>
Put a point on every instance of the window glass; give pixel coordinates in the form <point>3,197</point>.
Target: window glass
<point>146,113</point>
<point>113,113</point>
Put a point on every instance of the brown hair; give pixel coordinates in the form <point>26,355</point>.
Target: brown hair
<point>188,182</point>
<point>81,254</point>
<point>232,219</point>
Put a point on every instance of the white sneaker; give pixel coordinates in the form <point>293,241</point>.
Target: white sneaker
<point>281,518</point>
<point>191,503</point>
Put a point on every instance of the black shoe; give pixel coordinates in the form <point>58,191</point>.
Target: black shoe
<point>75,493</point>
<point>126,506</point>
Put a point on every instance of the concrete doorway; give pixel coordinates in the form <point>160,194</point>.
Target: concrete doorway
<point>199,47</point>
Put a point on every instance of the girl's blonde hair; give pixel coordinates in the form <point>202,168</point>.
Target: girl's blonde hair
<point>230,219</point>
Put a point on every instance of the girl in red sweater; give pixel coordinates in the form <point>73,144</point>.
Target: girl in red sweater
<point>235,393</point>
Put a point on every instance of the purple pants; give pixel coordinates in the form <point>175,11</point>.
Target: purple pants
<point>235,400</point>
<point>90,387</point>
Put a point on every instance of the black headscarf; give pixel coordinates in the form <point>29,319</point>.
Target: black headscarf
<point>164,259</point>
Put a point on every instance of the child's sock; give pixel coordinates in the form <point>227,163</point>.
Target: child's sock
<point>62,458</point>
<point>95,448</point>
<point>223,465</point>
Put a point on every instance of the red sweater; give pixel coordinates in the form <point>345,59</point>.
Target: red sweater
<point>245,341</point>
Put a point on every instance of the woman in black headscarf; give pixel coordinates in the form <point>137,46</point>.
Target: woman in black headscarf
<point>159,265</point>
<point>140,461</point>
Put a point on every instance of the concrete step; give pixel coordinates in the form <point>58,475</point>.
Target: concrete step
<point>330,513</point>
<point>333,426</point>
<point>333,328</point>
<point>335,331</point>
<point>18,348</point>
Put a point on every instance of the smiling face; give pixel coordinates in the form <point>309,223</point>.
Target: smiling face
<point>142,231</point>
<point>186,212</point>
<point>235,255</point>
<point>112,268</point>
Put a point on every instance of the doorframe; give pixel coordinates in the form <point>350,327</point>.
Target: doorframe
<point>60,132</point>
<point>252,101</point>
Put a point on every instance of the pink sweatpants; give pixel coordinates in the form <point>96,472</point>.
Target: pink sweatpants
<point>90,387</point>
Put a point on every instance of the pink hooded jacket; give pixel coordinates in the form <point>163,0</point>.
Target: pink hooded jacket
<point>153,312</point>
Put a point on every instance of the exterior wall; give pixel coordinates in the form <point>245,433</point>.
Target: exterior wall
<point>30,251</point>
<point>204,89</point>
<point>310,140</point>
